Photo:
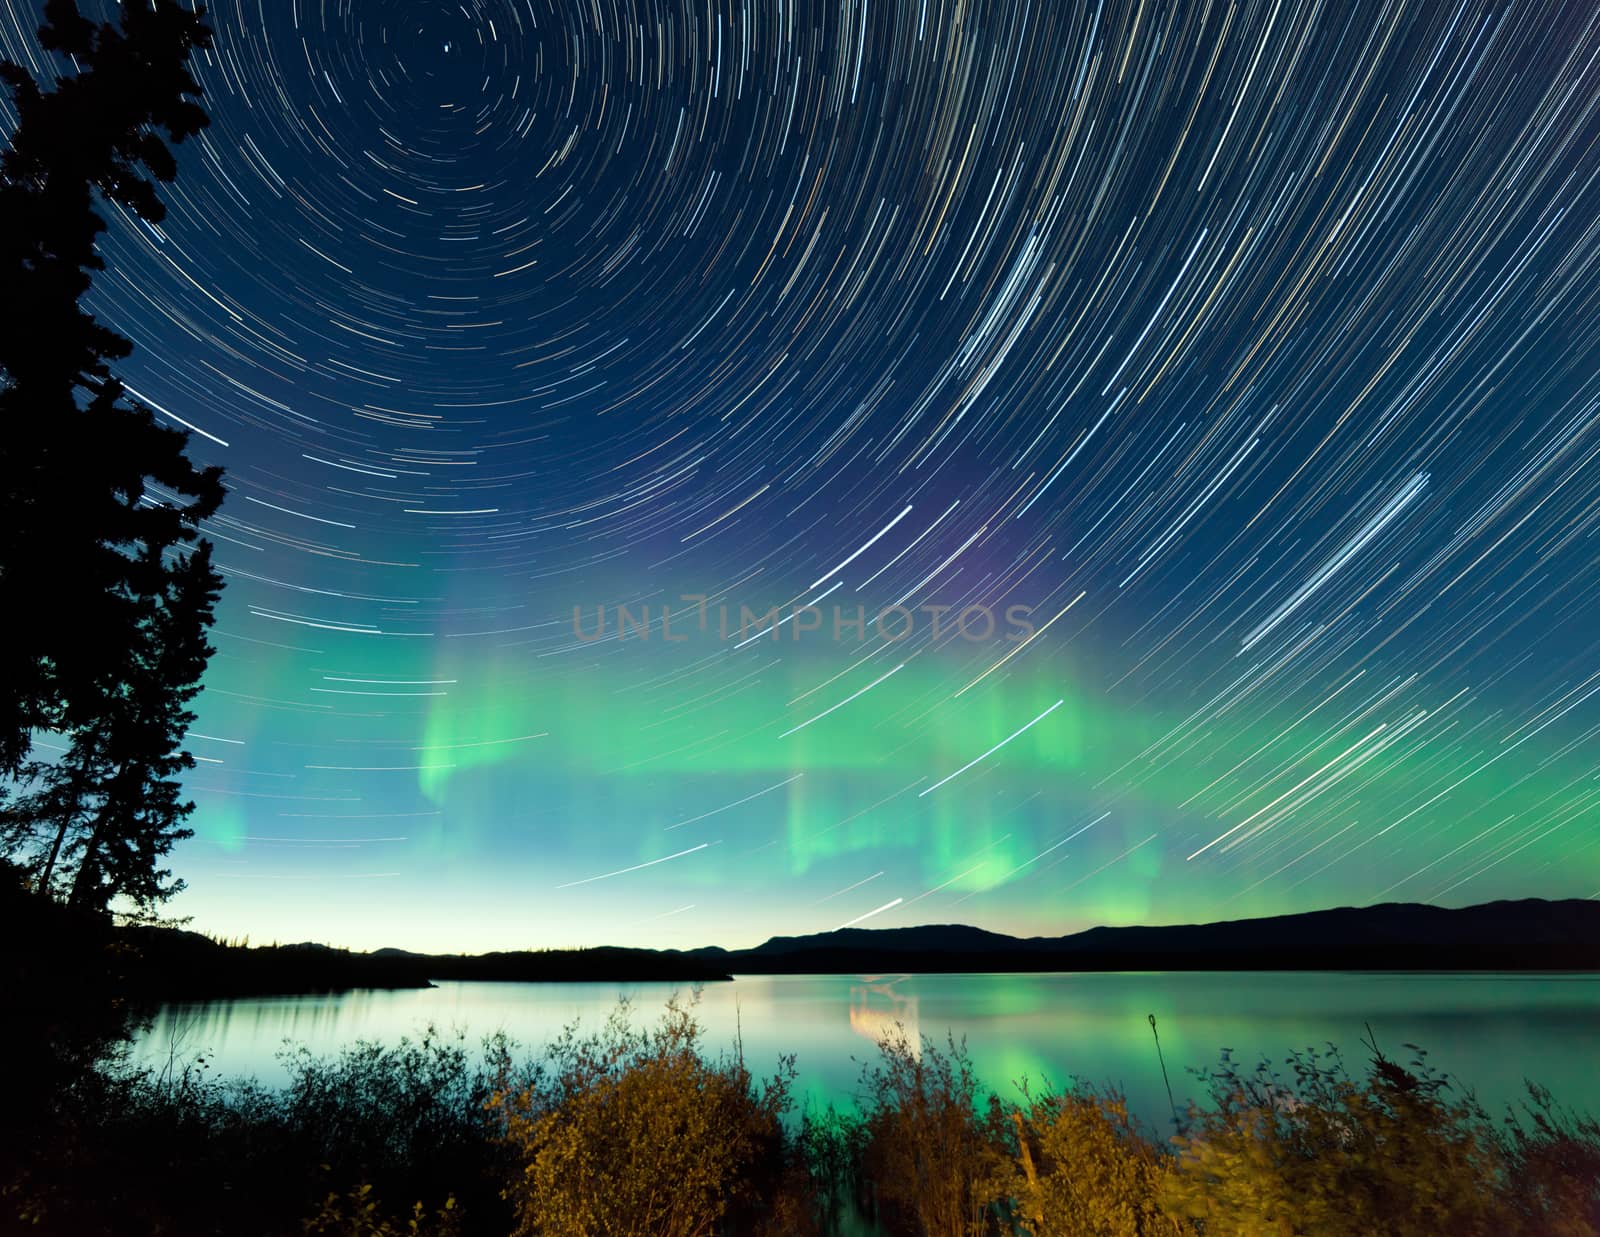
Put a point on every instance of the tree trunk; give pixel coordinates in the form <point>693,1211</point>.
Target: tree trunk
<point>82,885</point>
<point>88,867</point>
<point>55,852</point>
<point>69,811</point>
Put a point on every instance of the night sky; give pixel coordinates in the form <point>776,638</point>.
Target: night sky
<point>1248,346</point>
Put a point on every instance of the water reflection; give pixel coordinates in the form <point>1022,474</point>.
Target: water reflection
<point>877,1010</point>
<point>1487,1030</point>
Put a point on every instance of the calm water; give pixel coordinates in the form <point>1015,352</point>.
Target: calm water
<point>1489,1031</point>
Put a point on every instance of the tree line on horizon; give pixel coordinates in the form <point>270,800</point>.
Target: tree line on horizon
<point>109,587</point>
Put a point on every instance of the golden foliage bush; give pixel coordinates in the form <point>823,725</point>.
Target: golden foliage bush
<point>1394,1153</point>
<point>934,1151</point>
<point>1086,1170</point>
<point>630,1131</point>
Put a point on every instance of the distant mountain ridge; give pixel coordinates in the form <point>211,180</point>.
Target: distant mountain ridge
<point>954,937</point>
<point>1527,934</point>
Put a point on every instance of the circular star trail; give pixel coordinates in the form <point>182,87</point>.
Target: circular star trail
<point>1247,349</point>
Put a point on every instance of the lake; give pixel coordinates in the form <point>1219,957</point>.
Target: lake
<point>1487,1030</point>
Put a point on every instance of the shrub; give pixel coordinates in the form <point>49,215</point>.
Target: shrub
<point>1552,1160</point>
<point>175,1151</point>
<point>405,1121</point>
<point>1322,1154</point>
<point>358,1214</point>
<point>409,1115</point>
<point>632,1131</point>
<point>935,1155</point>
<point>1088,1171</point>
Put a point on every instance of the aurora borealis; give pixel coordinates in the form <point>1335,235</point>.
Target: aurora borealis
<point>1249,345</point>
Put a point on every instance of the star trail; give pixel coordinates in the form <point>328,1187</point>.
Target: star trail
<point>1236,360</point>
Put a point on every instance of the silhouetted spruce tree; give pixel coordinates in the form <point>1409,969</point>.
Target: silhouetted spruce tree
<point>78,515</point>
<point>97,821</point>
<point>41,826</point>
<point>139,744</point>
